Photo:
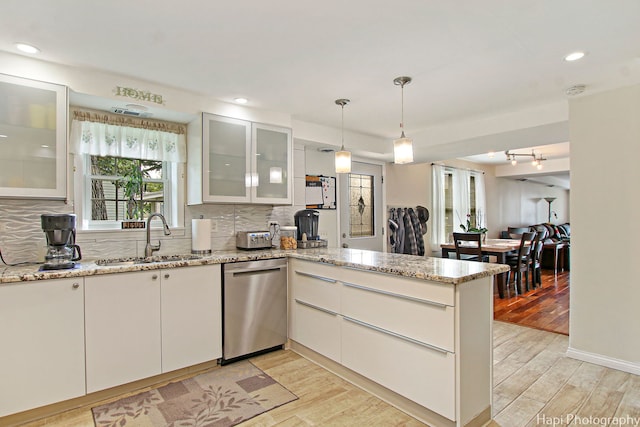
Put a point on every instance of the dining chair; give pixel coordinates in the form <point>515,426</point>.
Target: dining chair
<point>535,265</point>
<point>469,247</point>
<point>520,263</point>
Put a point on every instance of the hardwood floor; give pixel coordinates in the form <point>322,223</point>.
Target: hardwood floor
<point>534,383</point>
<point>546,307</point>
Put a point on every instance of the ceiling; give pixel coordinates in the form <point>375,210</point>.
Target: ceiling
<point>469,60</point>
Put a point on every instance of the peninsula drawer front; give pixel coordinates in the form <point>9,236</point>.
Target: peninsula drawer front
<point>440,293</point>
<point>315,289</point>
<point>315,328</point>
<point>419,373</point>
<point>422,320</point>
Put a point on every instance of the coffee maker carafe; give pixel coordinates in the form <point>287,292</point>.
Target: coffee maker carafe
<point>62,251</point>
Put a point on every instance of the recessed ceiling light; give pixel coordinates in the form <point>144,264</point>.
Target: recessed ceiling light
<point>3,136</point>
<point>241,100</point>
<point>27,48</point>
<point>44,146</point>
<point>574,56</point>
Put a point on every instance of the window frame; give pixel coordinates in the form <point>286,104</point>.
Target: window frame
<point>173,184</point>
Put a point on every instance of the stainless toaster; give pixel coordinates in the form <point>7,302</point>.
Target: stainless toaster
<point>253,240</point>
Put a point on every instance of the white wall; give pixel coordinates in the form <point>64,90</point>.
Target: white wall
<point>318,163</point>
<point>605,291</point>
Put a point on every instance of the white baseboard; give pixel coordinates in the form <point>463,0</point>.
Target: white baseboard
<point>609,362</point>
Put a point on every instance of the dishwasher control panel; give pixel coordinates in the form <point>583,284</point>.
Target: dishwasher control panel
<point>253,240</point>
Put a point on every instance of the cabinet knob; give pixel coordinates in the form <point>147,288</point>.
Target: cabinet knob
<point>166,276</point>
<point>75,285</point>
<point>154,277</point>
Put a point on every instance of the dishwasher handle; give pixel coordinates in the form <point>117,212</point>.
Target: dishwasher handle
<point>259,270</point>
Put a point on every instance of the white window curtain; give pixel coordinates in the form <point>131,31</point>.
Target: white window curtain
<point>461,197</point>
<point>438,234</point>
<point>480,199</point>
<point>103,139</point>
<point>460,200</point>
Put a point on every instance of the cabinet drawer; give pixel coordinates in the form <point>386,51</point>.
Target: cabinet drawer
<point>315,328</point>
<point>423,320</point>
<point>441,293</point>
<point>419,373</point>
<point>315,288</point>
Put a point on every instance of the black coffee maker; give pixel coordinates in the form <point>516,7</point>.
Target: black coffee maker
<point>307,223</point>
<point>62,251</point>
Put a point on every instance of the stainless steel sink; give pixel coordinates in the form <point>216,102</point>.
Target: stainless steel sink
<point>114,262</point>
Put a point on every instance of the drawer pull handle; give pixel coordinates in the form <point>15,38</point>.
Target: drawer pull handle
<point>324,310</point>
<point>314,276</point>
<point>393,334</point>
<point>392,294</point>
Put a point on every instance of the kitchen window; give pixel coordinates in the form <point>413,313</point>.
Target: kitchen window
<point>118,188</point>
<point>126,169</point>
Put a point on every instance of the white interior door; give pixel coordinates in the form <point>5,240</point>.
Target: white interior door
<point>361,207</point>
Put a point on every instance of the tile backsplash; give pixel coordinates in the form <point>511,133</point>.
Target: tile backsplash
<point>22,239</point>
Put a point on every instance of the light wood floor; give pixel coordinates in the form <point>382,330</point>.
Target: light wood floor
<point>532,379</point>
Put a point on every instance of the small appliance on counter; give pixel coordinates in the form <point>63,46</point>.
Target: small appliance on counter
<point>62,251</point>
<point>307,224</point>
<point>253,240</point>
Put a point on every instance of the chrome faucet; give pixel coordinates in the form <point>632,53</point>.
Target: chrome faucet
<point>149,249</point>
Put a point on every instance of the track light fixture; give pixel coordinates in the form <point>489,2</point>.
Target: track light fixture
<point>536,159</point>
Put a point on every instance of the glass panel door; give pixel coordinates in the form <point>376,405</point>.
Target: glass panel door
<point>226,163</point>
<point>272,161</point>
<point>32,138</point>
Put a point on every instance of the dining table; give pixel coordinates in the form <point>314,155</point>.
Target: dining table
<point>496,247</point>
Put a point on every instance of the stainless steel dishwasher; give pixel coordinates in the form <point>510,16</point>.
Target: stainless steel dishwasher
<point>254,307</point>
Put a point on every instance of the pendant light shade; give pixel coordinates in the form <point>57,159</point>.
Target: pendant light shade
<point>402,150</point>
<point>403,146</point>
<point>343,157</point>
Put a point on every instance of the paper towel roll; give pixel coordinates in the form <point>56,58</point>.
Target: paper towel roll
<point>200,236</point>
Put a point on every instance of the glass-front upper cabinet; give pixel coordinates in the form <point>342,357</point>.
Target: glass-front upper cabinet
<point>33,136</point>
<point>240,162</point>
<point>271,164</point>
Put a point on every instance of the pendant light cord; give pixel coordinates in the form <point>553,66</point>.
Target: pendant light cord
<point>402,110</point>
<point>342,149</point>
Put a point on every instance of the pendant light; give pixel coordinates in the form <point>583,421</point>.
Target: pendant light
<point>343,157</point>
<point>403,146</point>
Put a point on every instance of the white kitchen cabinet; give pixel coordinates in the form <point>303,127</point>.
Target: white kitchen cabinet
<point>315,306</point>
<point>237,161</point>
<point>42,338</point>
<point>191,316</point>
<point>141,324</point>
<point>420,373</point>
<point>427,341</point>
<point>122,322</point>
<point>33,139</point>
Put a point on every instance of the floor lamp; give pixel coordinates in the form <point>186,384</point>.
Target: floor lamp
<point>549,200</point>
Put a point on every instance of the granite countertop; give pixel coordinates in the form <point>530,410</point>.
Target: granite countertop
<point>435,269</point>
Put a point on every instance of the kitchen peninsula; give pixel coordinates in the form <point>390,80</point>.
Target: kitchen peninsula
<point>414,331</point>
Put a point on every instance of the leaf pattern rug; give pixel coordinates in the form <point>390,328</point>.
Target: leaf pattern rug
<point>223,397</point>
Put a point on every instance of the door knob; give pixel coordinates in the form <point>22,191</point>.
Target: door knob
<point>166,276</point>
<point>344,245</point>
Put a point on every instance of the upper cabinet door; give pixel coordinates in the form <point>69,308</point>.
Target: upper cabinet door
<point>271,164</point>
<point>226,162</point>
<point>237,161</point>
<point>33,139</point>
